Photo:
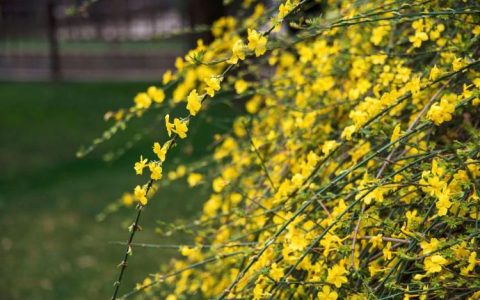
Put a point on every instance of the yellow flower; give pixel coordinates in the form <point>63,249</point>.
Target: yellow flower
<point>327,294</point>
<point>142,101</point>
<point>378,59</point>
<point>168,125</point>
<point>457,64</point>
<point>476,30</point>
<point>330,241</point>
<point>328,146</point>
<point>387,251</point>
<point>140,195</point>
<point>472,262</point>
<point>312,160</point>
<point>435,73</point>
<point>156,94</point>
<point>348,131</point>
<point>434,263</point>
<point>194,102</point>
<point>429,247</point>
<point>146,284</point>
<point>443,203</point>
<point>284,9</point>
<point>414,85</point>
<point>376,194</point>
<point>441,112</point>
<point>238,52</point>
<point>378,33</point>
<point>218,184</point>
<point>276,272</point>
<point>140,165</point>
<point>257,42</point>
<point>258,291</point>
<point>194,179</point>
<point>407,295</point>
<point>180,128</point>
<point>240,86</point>
<point>171,297</point>
<point>193,253</point>
<point>160,151</point>
<point>435,34</point>
<point>213,85</point>
<point>377,241</point>
<point>127,199</point>
<point>336,275</point>
<point>396,133</point>
<point>253,104</point>
<point>167,77</point>
<point>418,38</point>
<point>155,170</point>
<point>476,82</point>
<point>179,63</point>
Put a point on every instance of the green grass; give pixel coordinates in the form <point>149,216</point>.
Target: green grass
<point>51,245</point>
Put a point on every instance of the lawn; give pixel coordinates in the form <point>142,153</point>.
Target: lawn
<point>52,246</point>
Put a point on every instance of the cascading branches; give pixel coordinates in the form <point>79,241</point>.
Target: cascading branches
<point>354,173</point>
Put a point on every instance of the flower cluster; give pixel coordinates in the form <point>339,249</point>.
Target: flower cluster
<point>354,173</point>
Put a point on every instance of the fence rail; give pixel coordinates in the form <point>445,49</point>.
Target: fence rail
<point>117,39</point>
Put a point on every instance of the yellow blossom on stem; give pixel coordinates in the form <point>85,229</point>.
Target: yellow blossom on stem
<point>376,194</point>
<point>327,293</point>
<point>434,263</point>
<point>169,125</point>
<point>387,251</point>
<point>418,38</point>
<point>431,246</point>
<point>435,73</point>
<point>378,33</point>
<point>257,42</point>
<point>158,95</point>
<point>140,195</point>
<point>336,275</point>
<point>180,128</point>
<point>472,262</point>
<point>240,86</point>
<point>329,146</point>
<point>476,30</point>
<point>194,102</point>
<point>396,133</point>
<point>142,101</point>
<point>140,165</point>
<point>194,179</point>
<point>213,85</point>
<point>127,199</point>
<point>284,9</point>
<point>155,170</point>
<point>443,203</point>
<point>160,151</point>
<point>441,112</point>
<point>377,241</point>
<point>167,77</point>
<point>457,64</point>
<point>238,52</point>
<point>348,131</point>
<point>276,272</point>
<point>218,184</point>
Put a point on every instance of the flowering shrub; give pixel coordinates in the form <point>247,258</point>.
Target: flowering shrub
<point>354,173</point>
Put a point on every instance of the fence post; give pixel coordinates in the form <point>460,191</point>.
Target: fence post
<point>54,57</point>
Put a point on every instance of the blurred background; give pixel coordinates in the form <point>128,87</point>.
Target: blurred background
<point>88,39</point>
<point>63,64</point>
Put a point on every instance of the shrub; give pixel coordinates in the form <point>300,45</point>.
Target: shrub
<point>354,173</point>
